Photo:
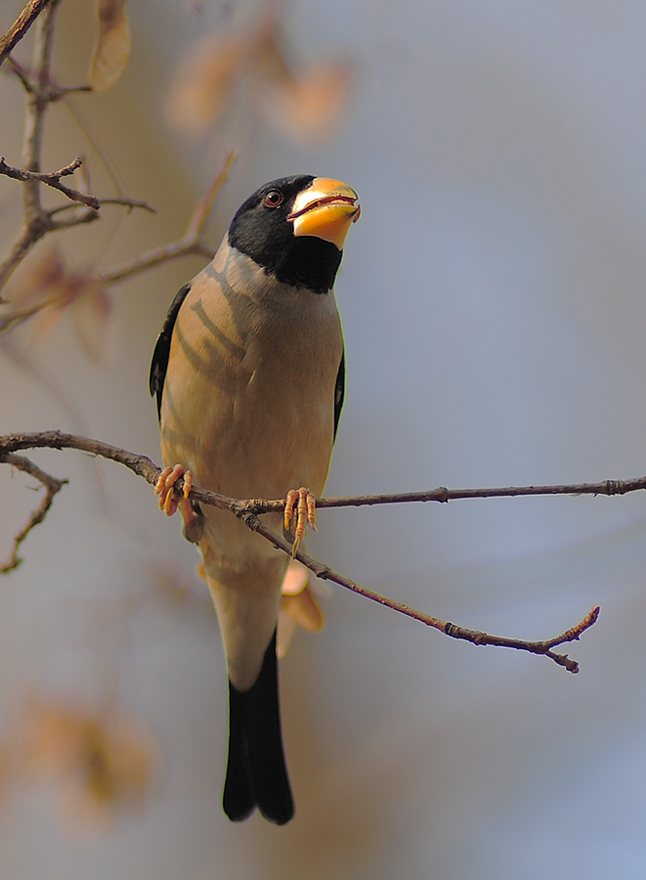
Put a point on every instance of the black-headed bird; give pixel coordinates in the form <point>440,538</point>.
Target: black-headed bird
<point>249,374</point>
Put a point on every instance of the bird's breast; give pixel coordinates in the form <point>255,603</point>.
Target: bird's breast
<point>249,394</point>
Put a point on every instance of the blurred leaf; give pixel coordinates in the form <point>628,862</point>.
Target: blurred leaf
<point>204,81</point>
<point>112,49</point>
<point>48,289</point>
<point>307,102</point>
<point>36,285</point>
<point>312,103</point>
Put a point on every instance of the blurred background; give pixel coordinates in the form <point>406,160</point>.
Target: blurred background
<point>493,304</point>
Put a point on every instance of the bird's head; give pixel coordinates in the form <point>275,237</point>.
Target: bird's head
<point>295,228</point>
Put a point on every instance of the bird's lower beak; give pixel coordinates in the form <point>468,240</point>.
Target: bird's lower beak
<point>326,209</point>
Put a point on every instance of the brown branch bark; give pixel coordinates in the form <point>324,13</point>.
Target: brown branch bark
<point>52,178</point>
<point>250,510</point>
<point>444,495</point>
<point>20,26</point>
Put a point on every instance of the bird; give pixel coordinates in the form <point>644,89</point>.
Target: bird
<point>248,373</point>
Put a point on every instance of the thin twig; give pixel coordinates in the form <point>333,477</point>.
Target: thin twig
<point>20,26</point>
<point>476,637</point>
<point>125,202</point>
<point>52,486</point>
<point>45,176</point>
<point>52,178</point>
<point>248,511</point>
<point>444,495</point>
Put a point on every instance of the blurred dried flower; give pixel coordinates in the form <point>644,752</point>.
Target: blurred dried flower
<point>308,101</point>
<point>47,290</point>
<point>112,48</point>
<point>101,763</point>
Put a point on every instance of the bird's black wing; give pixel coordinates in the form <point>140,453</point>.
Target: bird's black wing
<point>159,363</point>
<point>339,392</point>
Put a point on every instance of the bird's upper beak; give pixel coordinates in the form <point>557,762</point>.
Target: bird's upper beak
<point>325,209</point>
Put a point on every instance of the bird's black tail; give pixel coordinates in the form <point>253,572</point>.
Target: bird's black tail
<point>256,771</point>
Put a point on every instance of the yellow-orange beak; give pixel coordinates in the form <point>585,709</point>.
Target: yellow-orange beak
<point>326,209</point>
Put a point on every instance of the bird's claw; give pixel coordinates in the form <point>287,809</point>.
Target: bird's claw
<point>300,509</point>
<point>165,487</point>
<point>169,502</point>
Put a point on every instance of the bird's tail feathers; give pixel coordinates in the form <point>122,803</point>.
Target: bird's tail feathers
<point>256,769</point>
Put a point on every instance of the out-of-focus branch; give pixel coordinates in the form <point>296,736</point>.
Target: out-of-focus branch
<point>189,243</point>
<point>21,25</point>
<point>249,510</point>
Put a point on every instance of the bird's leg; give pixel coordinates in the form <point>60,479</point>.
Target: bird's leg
<point>305,503</point>
<point>169,503</point>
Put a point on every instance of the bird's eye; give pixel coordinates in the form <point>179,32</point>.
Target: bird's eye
<point>273,198</point>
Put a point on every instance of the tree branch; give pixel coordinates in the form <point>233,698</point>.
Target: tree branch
<point>20,26</point>
<point>476,637</point>
<point>444,495</point>
<point>52,178</point>
<point>249,510</point>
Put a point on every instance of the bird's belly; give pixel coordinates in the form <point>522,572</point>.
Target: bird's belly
<point>252,430</point>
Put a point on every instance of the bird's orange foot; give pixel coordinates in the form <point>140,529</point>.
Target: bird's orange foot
<point>165,487</point>
<point>169,502</point>
<point>300,509</point>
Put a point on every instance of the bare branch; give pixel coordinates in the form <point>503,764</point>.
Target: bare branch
<point>52,178</point>
<point>52,486</point>
<point>140,464</point>
<point>248,511</point>
<point>444,495</point>
<point>20,26</point>
<point>476,637</point>
<point>46,177</point>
